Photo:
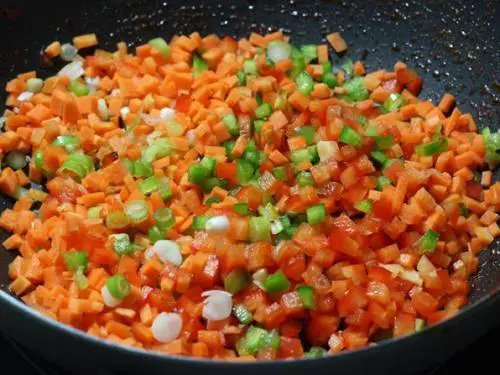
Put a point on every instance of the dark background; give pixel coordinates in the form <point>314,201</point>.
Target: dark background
<point>456,52</point>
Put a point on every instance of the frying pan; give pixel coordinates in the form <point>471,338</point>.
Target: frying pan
<point>453,45</point>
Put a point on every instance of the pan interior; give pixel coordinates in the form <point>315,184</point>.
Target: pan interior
<point>452,46</point>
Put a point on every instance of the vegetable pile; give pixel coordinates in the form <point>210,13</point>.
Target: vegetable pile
<point>245,199</point>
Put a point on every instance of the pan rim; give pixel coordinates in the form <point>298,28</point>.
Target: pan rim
<point>138,353</point>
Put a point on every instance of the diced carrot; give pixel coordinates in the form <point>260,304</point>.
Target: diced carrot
<point>337,42</point>
<point>446,103</point>
<point>85,41</point>
<point>53,49</point>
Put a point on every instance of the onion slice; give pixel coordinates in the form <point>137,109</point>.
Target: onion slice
<point>278,50</point>
<point>218,305</point>
<point>168,251</point>
<point>217,224</point>
<point>73,70</point>
<point>166,327</point>
<point>108,299</point>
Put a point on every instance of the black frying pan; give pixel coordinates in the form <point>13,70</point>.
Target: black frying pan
<point>453,45</point>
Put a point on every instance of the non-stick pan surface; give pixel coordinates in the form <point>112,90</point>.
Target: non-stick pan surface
<point>453,45</point>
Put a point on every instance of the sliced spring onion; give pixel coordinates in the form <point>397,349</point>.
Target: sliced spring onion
<point>80,279</point>
<point>20,192</point>
<point>78,88</point>
<point>279,173</point>
<point>393,103</point>
<point>269,212</point>
<point>330,80</point>
<point>94,212</point>
<point>242,313</point>
<point>277,283</point>
<point>68,52</point>
<point>310,52</point>
<point>242,78</point>
<point>306,294</point>
<point>199,65</point>
<point>350,137</point>
<point>34,85</point>
<point>305,83</point>
<point>117,220</point>
<point>244,171</point>
<point>364,206</point>
<point>212,182</point>
<point>304,154</point>
<point>197,174</point>
<point>492,144</point>
<point>315,352</point>
<point>158,149</point>
<point>298,63</point>
<point>380,157</point>
<point>259,229</point>
<point>102,107</point>
<point>236,281</point>
<point>199,222</point>
<point>308,133</point>
<point>258,124</point>
<point>263,111</point>
<point>212,200</point>
<point>278,50</point>
<point>258,98</point>
<point>149,185</point>
<point>16,160</point>
<point>137,211</point>
<point>273,340</point>
<point>76,260</point>
<point>161,46</point>
<point>118,287</point>
<point>419,325</point>
<point>78,164</point>
<point>385,142</point>
<point>328,77</point>
<point>464,211</point>
<point>121,244</point>
<point>254,340</point>
<point>371,132</point>
<point>209,164</point>
<point>361,119</point>
<point>382,181</point>
<point>305,179</point>
<point>347,66</point>
<point>241,208</point>
<point>231,123</point>
<point>71,143</point>
<point>250,67</point>
<point>356,90</point>
<point>155,234</point>
<point>316,214</point>
<point>229,146</point>
<point>276,227</point>
<point>428,242</point>
<point>164,218</point>
<point>142,169</point>
<point>280,101</point>
<point>436,146</point>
